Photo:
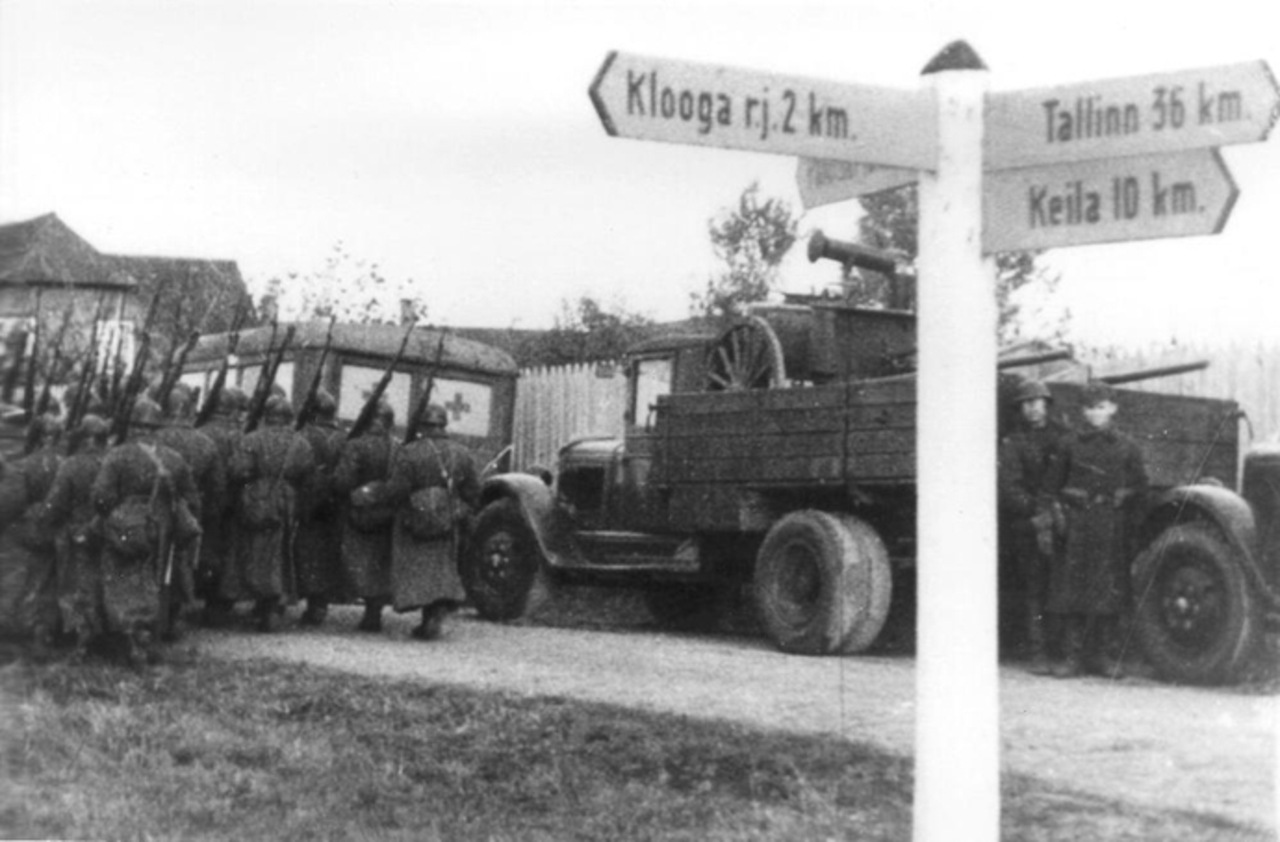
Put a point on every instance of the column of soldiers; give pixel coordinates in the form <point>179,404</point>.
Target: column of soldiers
<point>1064,498</point>
<point>104,547</point>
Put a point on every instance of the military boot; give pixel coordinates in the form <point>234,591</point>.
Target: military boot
<point>1036,639</point>
<point>1072,663</point>
<point>1101,637</point>
<point>372,620</point>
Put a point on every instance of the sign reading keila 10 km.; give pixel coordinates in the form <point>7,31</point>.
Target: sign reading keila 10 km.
<point>706,105</point>
<point>1161,112</point>
<point>1180,194</point>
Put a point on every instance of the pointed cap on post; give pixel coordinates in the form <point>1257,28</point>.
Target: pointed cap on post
<point>957,55</point>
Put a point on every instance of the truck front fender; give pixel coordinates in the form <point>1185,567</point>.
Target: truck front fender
<point>1222,507</point>
<point>537,503</point>
<point>1229,512</point>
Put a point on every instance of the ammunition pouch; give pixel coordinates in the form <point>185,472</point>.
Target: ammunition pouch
<point>261,504</point>
<point>131,530</point>
<point>430,514</point>
<point>368,510</point>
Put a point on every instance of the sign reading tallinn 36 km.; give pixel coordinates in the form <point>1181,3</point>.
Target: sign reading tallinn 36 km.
<point>1118,159</point>
<point>706,105</point>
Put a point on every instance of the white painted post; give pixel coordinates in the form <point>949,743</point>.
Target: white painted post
<point>957,779</point>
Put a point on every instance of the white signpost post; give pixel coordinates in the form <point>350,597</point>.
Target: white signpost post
<point>1119,159</point>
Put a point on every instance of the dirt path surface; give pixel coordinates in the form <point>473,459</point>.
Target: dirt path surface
<point>1169,747</point>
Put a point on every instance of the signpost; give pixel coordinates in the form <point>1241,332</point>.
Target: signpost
<point>1119,159</point>
<point>706,105</point>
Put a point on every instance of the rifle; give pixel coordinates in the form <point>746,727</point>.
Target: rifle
<point>265,381</point>
<point>80,408</point>
<point>424,400</point>
<point>55,363</point>
<point>210,405</point>
<point>29,385</point>
<point>308,408</point>
<point>173,369</point>
<point>370,407</point>
<point>124,404</point>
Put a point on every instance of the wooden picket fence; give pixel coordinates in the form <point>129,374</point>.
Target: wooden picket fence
<point>555,405</point>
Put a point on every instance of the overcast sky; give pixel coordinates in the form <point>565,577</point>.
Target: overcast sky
<point>455,145</point>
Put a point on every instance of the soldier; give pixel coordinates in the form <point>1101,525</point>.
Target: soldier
<point>1029,460</point>
<point>1101,470</point>
<point>208,471</point>
<point>71,518</point>
<point>366,527</point>
<point>150,510</point>
<point>28,601</point>
<point>270,464</point>
<point>435,485</point>
<point>217,547</point>
<point>319,526</point>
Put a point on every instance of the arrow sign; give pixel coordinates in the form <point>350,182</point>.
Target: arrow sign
<point>1161,112</point>
<point>706,105</point>
<point>825,182</point>
<point>1181,194</point>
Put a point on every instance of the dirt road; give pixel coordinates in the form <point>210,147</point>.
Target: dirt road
<point>1177,748</point>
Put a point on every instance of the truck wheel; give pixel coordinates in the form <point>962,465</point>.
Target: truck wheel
<point>499,570</point>
<point>822,583</point>
<point>1195,616</point>
<point>682,607</point>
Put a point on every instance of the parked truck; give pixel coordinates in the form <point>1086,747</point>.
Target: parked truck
<point>778,457</point>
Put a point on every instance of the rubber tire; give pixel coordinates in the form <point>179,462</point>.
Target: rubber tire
<point>822,584</point>
<point>682,607</point>
<point>502,562</point>
<point>1192,558</point>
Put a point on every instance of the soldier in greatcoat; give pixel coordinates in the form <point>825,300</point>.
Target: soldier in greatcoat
<point>225,428</point>
<point>1101,471</point>
<point>366,523</point>
<point>70,517</point>
<point>319,544</point>
<point>270,465</point>
<point>150,510</point>
<point>1029,461</point>
<point>435,485</point>
<point>208,470</point>
<point>28,600</point>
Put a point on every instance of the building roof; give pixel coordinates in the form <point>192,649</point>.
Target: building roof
<point>45,251</point>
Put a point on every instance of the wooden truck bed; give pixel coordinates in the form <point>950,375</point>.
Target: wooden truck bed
<point>714,450</point>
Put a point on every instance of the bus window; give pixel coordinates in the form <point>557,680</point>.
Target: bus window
<point>356,384</point>
<point>467,404</point>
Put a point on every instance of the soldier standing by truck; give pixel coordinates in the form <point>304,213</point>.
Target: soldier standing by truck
<point>270,464</point>
<point>28,606</point>
<point>208,471</point>
<point>1029,460</point>
<point>435,487</point>
<point>366,527</point>
<point>1101,470</point>
<point>225,428</point>
<point>319,526</point>
<point>150,508</point>
<point>70,517</point>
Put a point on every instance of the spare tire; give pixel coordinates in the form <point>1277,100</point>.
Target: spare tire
<point>822,583</point>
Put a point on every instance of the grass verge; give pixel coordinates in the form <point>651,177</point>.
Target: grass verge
<point>210,750</point>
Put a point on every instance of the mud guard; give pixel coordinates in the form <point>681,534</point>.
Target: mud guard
<point>538,505</point>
